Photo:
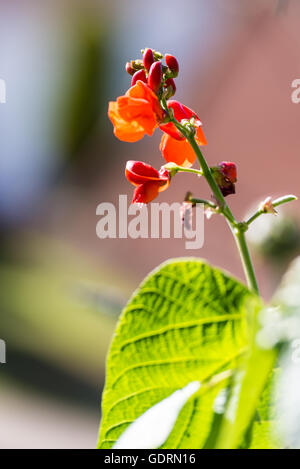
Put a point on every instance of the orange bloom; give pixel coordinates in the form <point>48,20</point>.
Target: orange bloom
<point>135,114</point>
<point>148,180</point>
<point>174,147</point>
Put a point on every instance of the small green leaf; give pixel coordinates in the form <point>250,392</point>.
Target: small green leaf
<point>187,322</point>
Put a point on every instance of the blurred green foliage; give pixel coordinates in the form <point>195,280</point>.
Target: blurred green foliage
<point>57,317</point>
<point>276,238</point>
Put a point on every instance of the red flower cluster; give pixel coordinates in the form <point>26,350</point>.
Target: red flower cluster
<point>140,112</point>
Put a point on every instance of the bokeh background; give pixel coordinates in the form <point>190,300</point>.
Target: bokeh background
<point>61,287</point>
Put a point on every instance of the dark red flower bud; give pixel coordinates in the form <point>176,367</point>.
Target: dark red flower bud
<point>172,63</point>
<point>228,189</point>
<point>148,59</point>
<point>229,170</point>
<point>155,76</point>
<point>129,69</point>
<point>140,75</point>
<point>171,87</point>
<point>225,175</point>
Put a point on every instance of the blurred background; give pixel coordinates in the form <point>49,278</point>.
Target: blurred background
<point>61,287</point>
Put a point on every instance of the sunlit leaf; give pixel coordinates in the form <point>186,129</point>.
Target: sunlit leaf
<point>263,436</point>
<point>278,332</point>
<point>153,427</point>
<point>187,322</point>
<point>246,394</point>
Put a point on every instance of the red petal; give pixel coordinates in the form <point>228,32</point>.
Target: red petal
<point>140,75</point>
<point>138,172</point>
<point>145,193</point>
<point>148,58</point>
<point>180,112</point>
<point>155,76</point>
<point>172,63</point>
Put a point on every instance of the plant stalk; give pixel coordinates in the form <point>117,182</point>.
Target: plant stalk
<point>246,259</point>
<point>236,228</point>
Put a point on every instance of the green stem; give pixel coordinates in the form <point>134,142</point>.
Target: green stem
<point>181,169</point>
<point>208,203</point>
<point>246,259</point>
<point>255,216</point>
<point>280,201</point>
<point>211,181</point>
<point>237,229</point>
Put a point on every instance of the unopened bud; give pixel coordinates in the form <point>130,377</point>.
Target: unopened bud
<point>171,87</point>
<point>155,76</point>
<point>228,189</point>
<point>148,58</point>
<point>228,169</point>
<point>267,206</point>
<point>157,55</point>
<point>225,175</point>
<point>140,75</point>
<point>172,63</point>
<point>129,69</point>
<point>137,64</point>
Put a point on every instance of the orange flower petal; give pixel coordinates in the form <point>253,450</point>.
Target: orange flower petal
<point>123,130</point>
<point>177,151</point>
<point>136,113</point>
<point>200,137</point>
<point>139,111</point>
<point>143,91</point>
<point>164,185</point>
<point>171,130</point>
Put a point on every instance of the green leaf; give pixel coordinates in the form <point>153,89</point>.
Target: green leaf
<point>265,433</point>
<point>278,330</point>
<point>152,428</point>
<point>263,436</point>
<point>187,321</point>
<point>246,394</point>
